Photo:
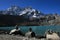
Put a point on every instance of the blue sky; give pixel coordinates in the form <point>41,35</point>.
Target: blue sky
<point>45,6</point>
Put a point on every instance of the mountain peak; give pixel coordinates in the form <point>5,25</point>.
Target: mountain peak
<point>27,11</point>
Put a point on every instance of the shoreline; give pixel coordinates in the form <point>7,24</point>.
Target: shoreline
<point>16,37</point>
<point>20,37</point>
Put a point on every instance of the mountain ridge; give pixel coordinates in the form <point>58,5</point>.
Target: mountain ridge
<point>26,16</point>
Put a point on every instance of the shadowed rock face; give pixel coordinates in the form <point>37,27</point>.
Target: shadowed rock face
<point>10,20</point>
<point>33,34</point>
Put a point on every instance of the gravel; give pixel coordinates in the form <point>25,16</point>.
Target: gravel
<point>16,37</point>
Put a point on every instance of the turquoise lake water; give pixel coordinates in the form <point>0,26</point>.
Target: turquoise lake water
<point>39,30</point>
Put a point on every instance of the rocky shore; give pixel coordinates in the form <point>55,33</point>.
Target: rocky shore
<point>16,37</point>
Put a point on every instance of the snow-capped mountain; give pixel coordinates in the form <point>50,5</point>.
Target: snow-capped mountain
<point>13,10</point>
<point>27,12</point>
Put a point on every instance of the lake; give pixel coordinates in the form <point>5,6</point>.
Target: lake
<point>39,30</point>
